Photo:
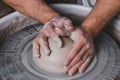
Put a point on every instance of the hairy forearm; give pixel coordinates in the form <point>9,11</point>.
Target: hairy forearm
<point>101,13</point>
<point>36,9</point>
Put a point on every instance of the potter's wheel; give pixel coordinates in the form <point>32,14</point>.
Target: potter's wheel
<point>16,62</point>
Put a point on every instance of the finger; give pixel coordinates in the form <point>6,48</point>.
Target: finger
<point>81,61</point>
<point>44,45</point>
<point>79,57</point>
<point>36,48</point>
<point>71,71</point>
<point>64,23</point>
<point>74,69</point>
<point>84,58</point>
<point>68,25</point>
<point>92,51</point>
<point>84,53</point>
<point>84,66</point>
<point>60,32</point>
<point>76,48</point>
<point>46,33</point>
<point>90,54</point>
<point>50,30</point>
<point>59,23</point>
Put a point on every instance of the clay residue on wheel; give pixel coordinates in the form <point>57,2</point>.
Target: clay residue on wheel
<point>14,27</point>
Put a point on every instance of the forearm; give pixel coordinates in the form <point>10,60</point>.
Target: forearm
<point>36,9</point>
<point>101,13</point>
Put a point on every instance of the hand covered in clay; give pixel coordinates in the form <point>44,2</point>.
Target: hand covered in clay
<point>82,52</point>
<point>57,26</point>
<point>63,25</point>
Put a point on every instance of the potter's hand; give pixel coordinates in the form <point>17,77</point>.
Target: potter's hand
<point>40,42</point>
<point>57,26</point>
<point>63,25</point>
<point>82,52</point>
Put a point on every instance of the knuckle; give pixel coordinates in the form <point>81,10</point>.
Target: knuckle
<point>77,66</point>
<point>83,39</point>
<point>92,52</point>
<point>88,46</point>
<point>78,57</point>
<point>81,61</point>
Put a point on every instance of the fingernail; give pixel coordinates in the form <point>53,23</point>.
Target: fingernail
<point>80,71</point>
<point>70,74</point>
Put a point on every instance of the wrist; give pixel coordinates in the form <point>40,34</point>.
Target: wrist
<point>55,18</point>
<point>48,18</point>
<point>90,31</point>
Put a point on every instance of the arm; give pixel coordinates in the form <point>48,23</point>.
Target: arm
<point>99,16</point>
<point>36,9</point>
<point>101,13</point>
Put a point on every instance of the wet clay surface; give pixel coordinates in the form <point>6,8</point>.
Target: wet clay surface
<point>55,61</point>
